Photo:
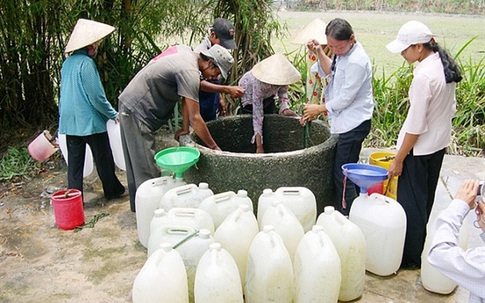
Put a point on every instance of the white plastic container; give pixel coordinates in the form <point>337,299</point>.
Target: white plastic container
<point>383,222</point>
<point>236,233</point>
<point>182,217</point>
<point>219,206</point>
<point>317,268</point>
<point>285,224</point>
<point>217,278</point>
<point>191,251</point>
<point>242,198</point>
<point>269,276</point>
<point>169,234</point>
<point>300,200</point>
<point>88,158</point>
<point>351,247</point>
<point>433,280</point>
<point>162,278</point>
<point>189,195</point>
<point>114,135</point>
<point>147,199</point>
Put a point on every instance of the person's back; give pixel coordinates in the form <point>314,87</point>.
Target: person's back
<point>155,89</point>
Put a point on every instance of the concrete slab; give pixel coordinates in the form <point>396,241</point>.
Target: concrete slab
<point>42,263</point>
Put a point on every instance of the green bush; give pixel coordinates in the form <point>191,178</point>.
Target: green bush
<point>392,104</point>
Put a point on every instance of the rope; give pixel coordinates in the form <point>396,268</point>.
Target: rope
<point>190,236</point>
<point>92,222</point>
<point>344,203</point>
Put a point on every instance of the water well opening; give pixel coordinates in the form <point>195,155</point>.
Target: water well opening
<point>286,162</point>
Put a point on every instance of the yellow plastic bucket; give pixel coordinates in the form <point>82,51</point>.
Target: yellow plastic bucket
<point>384,159</point>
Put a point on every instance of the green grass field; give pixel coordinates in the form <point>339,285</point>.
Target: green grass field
<point>374,30</point>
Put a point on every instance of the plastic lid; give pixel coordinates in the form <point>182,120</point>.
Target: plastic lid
<point>267,191</point>
<point>166,247</point>
<point>317,228</point>
<point>242,193</point>
<point>268,228</point>
<point>328,209</point>
<point>215,246</point>
<point>204,233</point>
<point>203,185</point>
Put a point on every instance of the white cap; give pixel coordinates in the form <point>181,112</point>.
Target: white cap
<point>276,70</point>
<point>86,32</point>
<point>412,32</point>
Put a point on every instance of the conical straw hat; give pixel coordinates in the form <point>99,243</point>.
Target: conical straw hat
<point>276,70</point>
<point>314,30</point>
<point>86,32</point>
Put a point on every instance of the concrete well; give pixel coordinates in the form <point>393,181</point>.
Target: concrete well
<point>286,162</point>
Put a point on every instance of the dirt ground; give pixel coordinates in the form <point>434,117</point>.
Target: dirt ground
<point>41,263</point>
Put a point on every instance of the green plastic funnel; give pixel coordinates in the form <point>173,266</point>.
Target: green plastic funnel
<point>177,159</point>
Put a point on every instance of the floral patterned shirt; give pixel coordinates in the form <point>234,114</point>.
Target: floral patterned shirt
<point>255,92</point>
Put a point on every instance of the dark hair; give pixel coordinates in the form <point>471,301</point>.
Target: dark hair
<point>339,29</point>
<point>451,69</point>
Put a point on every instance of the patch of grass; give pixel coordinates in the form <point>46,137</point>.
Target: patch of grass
<point>16,163</point>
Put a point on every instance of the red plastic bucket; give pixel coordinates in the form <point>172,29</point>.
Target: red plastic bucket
<point>68,208</point>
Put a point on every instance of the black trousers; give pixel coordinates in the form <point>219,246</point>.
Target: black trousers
<point>347,150</point>
<point>416,190</point>
<point>103,158</point>
<point>268,105</point>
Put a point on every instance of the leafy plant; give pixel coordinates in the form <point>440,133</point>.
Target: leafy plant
<point>17,162</point>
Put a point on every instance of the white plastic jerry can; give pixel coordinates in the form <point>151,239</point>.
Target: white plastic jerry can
<point>147,200</point>
<point>317,268</point>
<point>169,234</point>
<point>433,280</point>
<point>189,195</point>
<point>114,135</point>
<point>191,251</point>
<point>285,224</point>
<point>383,222</point>
<point>219,206</point>
<point>88,159</point>
<point>217,278</point>
<point>350,243</point>
<point>236,233</point>
<point>242,198</point>
<point>300,200</point>
<point>179,216</point>
<point>269,276</point>
<point>162,278</point>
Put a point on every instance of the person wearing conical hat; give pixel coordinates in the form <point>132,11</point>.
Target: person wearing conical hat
<point>349,101</point>
<point>84,109</point>
<point>266,81</point>
<point>147,103</point>
<point>314,83</point>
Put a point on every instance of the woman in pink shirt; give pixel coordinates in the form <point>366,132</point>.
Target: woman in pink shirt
<point>266,81</point>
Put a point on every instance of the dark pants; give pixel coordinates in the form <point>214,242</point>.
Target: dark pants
<point>208,105</point>
<point>416,192</point>
<point>103,158</point>
<point>138,143</point>
<point>347,150</point>
<point>268,103</point>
